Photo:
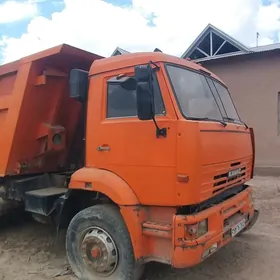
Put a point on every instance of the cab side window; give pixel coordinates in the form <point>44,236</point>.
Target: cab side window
<point>121,103</point>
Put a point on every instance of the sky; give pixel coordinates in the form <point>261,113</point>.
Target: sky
<point>99,26</point>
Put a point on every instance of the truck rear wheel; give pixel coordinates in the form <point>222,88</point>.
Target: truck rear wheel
<point>98,245</point>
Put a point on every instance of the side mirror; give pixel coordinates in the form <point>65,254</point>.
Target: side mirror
<point>142,73</point>
<point>78,84</point>
<point>144,100</point>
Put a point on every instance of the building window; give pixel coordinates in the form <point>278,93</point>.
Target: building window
<point>122,103</point>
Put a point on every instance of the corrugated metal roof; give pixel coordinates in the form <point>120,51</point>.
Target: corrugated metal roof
<point>218,32</point>
<point>122,50</point>
<point>244,50</point>
<point>266,47</point>
<point>119,50</point>
<point>259,49</point>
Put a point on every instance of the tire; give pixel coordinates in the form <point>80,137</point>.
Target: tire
<point>101,224</point>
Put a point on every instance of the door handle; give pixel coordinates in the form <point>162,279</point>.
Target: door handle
<point>103,148</point>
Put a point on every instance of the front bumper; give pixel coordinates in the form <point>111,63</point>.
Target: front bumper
<point>221,219</point>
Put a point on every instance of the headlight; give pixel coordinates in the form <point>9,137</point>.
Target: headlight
<point>197,230</point>
<point>202,228</point>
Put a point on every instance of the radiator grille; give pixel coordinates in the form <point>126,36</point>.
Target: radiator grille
<point>223,180</point>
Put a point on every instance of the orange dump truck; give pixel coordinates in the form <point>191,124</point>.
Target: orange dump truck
<point>143,157</point>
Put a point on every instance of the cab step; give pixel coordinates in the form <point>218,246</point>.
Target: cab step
<point>43,201</point>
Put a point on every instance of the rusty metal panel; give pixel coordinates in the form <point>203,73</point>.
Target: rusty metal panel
<point>35,107</point>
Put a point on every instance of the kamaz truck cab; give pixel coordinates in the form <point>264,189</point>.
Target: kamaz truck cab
<point>142,156</point>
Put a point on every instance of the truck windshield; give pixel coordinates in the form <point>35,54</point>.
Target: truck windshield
<point>200,97</point>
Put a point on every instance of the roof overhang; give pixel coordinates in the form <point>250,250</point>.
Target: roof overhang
<point>207,34</point>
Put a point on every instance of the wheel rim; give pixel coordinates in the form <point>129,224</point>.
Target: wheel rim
<point>99,251</point>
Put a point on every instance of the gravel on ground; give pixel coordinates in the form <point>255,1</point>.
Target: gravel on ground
<point>30,251</point>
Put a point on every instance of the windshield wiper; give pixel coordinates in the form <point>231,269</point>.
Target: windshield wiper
<point>208,119</point>
<point>233,120</point>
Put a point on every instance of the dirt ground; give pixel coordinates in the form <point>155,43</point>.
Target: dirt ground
<point>29,251</point>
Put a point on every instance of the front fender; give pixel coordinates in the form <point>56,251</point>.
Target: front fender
<point>106,182</point>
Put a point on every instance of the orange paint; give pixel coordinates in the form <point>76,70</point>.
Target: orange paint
<point>106,182</point>
<point>149,178</point>
<point>34,100</point>
<point>166,240</point>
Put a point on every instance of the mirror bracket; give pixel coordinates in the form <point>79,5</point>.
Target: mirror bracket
<point>161,132</point>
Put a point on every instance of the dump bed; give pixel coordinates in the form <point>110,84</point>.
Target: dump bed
<point>38,120</point>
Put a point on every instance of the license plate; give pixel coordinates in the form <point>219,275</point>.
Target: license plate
<point>237,228</point>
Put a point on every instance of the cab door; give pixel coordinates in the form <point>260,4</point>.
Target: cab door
<point>119,142</point>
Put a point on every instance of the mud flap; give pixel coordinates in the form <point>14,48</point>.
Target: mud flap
<point>63,213</point>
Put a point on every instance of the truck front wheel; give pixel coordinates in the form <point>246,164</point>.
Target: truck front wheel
<point>98,245</point>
